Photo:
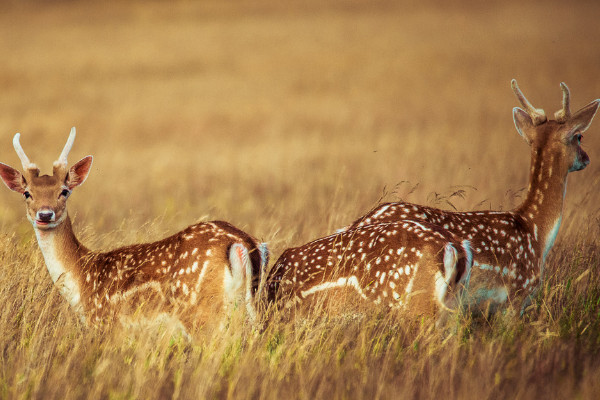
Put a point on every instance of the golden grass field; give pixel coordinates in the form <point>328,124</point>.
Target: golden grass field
<point>289,121</point>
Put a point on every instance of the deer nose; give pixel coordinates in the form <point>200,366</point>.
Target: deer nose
<point>45,215</point>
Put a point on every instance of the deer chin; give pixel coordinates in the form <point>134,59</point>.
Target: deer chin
<point>45,225</point>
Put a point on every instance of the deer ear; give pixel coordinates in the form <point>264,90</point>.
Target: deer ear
<point>12,178</point>
<point>582,119</point>
<point>78,173</point>
<point>523,123</point>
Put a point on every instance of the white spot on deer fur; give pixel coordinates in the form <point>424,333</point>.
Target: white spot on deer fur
<point>409,286</point>
<point>535,231</point>
<point>194,251</point>
<point>381,211</point>
<point>181,271</point>
<point>418,224</point>
<point>382,278</point>
<point>351,281</point>
<point>139,288</point>
<point>194,266</point>
<point>485,267</point>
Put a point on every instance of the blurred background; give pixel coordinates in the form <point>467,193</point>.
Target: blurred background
<point>288,119</point>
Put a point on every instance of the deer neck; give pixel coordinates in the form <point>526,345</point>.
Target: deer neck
<point>543,205</point>
<point>63,254</point>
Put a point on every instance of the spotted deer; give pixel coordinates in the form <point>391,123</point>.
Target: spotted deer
<point>194,276</point>
<point>408,264</point>
<point>510,248</point>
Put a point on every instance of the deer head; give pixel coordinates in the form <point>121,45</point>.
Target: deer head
<point>562,136</point>
<point>46,196</point>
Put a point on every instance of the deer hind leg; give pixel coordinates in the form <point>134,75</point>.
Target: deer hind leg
<point>238,283</point>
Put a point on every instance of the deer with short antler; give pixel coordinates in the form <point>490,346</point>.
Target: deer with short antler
<point>510,248</point>
<point>194,276</point>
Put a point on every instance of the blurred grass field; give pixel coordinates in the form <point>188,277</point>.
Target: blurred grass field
<point>289,121</point>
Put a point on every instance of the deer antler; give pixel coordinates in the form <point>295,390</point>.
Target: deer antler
<point>27,165</point>
<point>563,115</point>
<point>538,116</point>
<point>62,160</point>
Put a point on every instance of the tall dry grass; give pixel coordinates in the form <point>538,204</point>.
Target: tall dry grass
<point>290,120</point>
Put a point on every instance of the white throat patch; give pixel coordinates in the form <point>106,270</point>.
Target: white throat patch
<point>63,279</point>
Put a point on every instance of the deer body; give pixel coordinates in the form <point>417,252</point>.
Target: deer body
<point>407,264</point>
<point>510,248</point>
<point>194,276</point>
<point>186,275</point>
<point>506,249</point>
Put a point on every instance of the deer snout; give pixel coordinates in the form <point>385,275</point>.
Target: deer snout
<point>45,216</point>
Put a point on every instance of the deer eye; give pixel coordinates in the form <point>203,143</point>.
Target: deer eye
<point>579,137</point>
<point>65,193</point>
<point>26,194</point>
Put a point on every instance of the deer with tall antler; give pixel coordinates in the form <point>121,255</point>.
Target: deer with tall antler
<point>412,265</point>
<point>510,248</point>
<point>193,276</point>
